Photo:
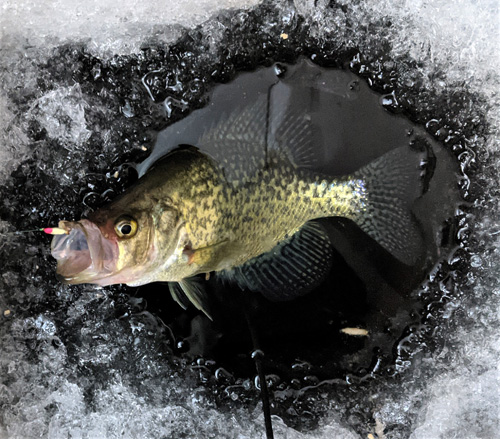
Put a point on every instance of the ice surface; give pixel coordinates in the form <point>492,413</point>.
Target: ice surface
<point>65,365</point>
<point>108,28</point>
<point>13,140</point>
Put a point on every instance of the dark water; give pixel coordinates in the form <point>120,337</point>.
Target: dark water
<point>366,288</point>
<point>363,104</point>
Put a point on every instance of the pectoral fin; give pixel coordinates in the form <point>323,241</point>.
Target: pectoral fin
<point>202,256</point>
<point>293,268</point>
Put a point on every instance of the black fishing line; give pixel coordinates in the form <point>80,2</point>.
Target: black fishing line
<point>257,355</point>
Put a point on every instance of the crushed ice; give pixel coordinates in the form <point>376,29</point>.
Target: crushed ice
<point>86,386</point>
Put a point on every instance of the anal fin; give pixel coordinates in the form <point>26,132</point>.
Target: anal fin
<point>291,269</point>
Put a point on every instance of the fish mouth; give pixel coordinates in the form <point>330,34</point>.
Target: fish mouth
<point>83,255</point>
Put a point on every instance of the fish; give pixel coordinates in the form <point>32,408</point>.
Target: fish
<point>246,212</point>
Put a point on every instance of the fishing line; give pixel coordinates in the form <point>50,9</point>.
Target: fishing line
<point>47,230</point>
<point>257,355</point>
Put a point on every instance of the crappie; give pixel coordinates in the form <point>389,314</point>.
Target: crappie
<point>247,214</point>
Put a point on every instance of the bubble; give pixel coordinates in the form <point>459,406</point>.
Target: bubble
<point>390,102</point>
<point>476,261</point>
<point>280,70</point>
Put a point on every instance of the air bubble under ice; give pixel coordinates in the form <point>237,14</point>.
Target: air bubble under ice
<point>79,362</point>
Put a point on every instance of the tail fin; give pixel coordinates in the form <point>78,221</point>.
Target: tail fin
<point>393,182</point>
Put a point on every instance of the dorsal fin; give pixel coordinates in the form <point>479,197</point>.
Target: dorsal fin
<point>250,137</point>
<point>237,140</point>
<point>291,132</point>
<point>291,269</point>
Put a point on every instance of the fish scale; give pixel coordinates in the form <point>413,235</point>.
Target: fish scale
<point>260,213</point>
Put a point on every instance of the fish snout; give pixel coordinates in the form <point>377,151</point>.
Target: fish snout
<point>83,254</point>
<point>71,252</point>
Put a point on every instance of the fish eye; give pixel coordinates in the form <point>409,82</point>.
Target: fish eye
<point>126,227</point>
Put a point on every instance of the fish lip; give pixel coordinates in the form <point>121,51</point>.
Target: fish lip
<point>83,254</point>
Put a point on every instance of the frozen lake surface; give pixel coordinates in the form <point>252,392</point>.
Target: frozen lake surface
<point>84,91</point>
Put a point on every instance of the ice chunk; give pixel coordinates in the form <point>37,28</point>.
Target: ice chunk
<point>62,113</point>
